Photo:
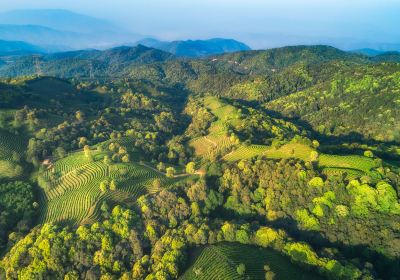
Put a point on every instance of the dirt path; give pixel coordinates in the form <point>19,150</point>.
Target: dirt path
<point>152,168</point>
<point>210,141</point>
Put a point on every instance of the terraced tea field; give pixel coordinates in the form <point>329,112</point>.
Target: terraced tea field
<point>246,152</point>
<point>361,163</point>
<point>217,140</point>
<point>353,166</point>
<point>350,173</point>
<point>73,194</point>
<point>220,262</point>
<point>291,150</point>
<point>10,144</point>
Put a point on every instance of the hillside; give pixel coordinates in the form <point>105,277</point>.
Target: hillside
<point>133,163</point>
<point>236,64</point>
<point>90,63</point>
<point>363,105</point>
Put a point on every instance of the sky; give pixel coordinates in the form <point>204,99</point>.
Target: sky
<point>260,23</point>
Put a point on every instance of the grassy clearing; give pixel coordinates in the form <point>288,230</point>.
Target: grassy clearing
<point>220,262</point>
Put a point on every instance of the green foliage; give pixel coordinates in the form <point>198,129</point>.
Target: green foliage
<point>306,220</point>
<point>16,209</point>
<point>243,121</point>
<point>316,182</point>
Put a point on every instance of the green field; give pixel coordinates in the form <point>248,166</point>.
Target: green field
<point>220,262</point>
<point>72,194</point>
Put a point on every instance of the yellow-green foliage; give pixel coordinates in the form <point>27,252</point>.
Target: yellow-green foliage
<point>316,182</point>
<point>266,236</point>
<point>382,198</point>
<point>248,90</point>
<point>302,253</point>
<point>306,220</point>
<point>320,203</point>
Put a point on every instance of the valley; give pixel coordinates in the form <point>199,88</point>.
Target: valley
<point>135,163</point>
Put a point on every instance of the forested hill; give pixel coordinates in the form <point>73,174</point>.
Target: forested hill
<point>72,64</point>
<point>197,48</point>
<point>131,163</point>
<point>86,63</point>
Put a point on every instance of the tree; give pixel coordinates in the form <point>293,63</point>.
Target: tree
<point>157,184</point>
<point>103,186</point>
<point>87,152</point>
<point>60,152</point>
<point>82,141</point>
<point>191,168</point>
<point>18,170</point>
<point>79,116</point>
<point>170,172</point>
<point>316,182</point>
<point>161,166</point>
<point>269,274</point>
<point>16,157</point>
<point>241,269</point>
<point>369,154</point>
<point>315,144</point>
<point>314,156</point>
<point>106,160</point>
<point>113,185</point>
<point>125,158</point>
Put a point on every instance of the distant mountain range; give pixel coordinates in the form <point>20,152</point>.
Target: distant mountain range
<point>197,48</point>
<point>62,30</point>
<point>11,48</point>
<point>58,19</point>
<point>148,63</point>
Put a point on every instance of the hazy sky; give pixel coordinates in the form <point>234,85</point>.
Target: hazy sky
<point>258,22</point>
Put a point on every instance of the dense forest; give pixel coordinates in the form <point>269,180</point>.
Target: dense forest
<point>131,163</point>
